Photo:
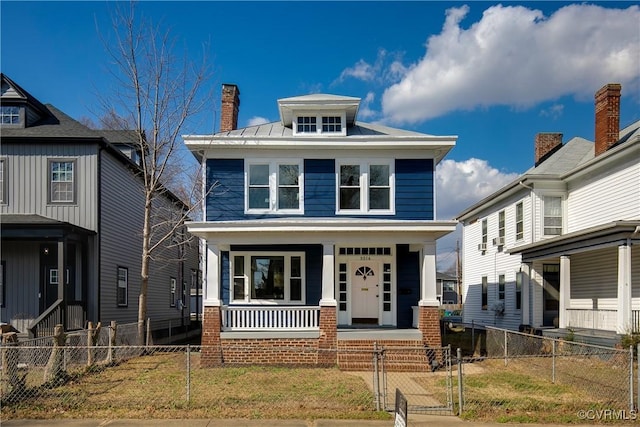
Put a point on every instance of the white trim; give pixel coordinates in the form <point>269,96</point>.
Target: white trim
<point>319,114</point>
<point>286,300</point>
<point>364,186</point>
<point>274,182</point>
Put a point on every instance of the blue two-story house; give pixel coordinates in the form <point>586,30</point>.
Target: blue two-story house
<point>317,222</point>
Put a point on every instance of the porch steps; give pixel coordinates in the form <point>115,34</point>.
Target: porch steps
<point>399,355</point>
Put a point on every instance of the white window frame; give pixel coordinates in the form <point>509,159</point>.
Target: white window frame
<point>364,186</point>
<point>73,181</point>
<point>543,201</point>
<point>519,221</point>
<point>319,115</point>
<point>501,223</point>
<point>122,284</point>
<point>247,280</point>
<point>274,186</point>
<point>10,115</point>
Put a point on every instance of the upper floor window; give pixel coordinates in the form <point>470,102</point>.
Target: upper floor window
<point>9,115</point>
<point>331,124</point>
<point>274,187</point>
<point>3,181</point>
<point>307,124</point>
<point>519,221</point>
<point>485,236</point>
<point>173,284</point>
<point>552,221</point>
<point>319,124</point>
<point>268,276</point>
<point>365,187</point>
<point>62,180</point>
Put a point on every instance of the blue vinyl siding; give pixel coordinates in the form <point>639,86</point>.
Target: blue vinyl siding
<point>313,268</point>
<point>319,188</point>
<point>414,189</point>
<point>408,265</point>
<point>225,202</point>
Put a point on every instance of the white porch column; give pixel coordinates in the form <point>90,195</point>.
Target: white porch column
<point>428,293</point>
<point>526,293</point>
<point>623,323</point>
<point>212,284</point>
<point>565,290</point>
<point>328,276</point>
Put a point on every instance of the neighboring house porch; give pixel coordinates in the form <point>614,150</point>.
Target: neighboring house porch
<point>590,279</point>
<point>34,298</point>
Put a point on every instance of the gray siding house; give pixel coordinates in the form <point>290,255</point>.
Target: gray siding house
<point>71,200</point>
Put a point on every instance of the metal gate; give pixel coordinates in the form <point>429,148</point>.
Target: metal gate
<point>422,374</point>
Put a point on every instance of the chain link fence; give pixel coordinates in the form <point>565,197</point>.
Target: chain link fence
<point>522,378</point>
<point>530,378</point>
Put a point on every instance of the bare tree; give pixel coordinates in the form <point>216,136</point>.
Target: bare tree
<point>156,94</point>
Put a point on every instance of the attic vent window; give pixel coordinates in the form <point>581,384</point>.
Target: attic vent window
<point>307,124</point>
<point>332,124</point>
<point>9,115</point>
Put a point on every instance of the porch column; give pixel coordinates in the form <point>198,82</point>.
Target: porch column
<point>565,291</point>
<point>328,339</point>
<point>526,293</point>
<point>623,321</point>
<point>328,276</point>
<point>212,282</point>
<point>428,293</point>
<point>429,315</point>
<point>62,279</point>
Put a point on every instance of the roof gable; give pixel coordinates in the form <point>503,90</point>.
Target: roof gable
<point>318,102</point>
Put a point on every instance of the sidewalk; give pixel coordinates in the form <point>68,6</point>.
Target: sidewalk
<point>414,421</point>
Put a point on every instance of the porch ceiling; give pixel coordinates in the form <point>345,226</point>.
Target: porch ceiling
<point>610,234</point>
<point>322,230</point>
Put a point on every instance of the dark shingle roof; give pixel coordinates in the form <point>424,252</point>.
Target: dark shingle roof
<point>55,124</point>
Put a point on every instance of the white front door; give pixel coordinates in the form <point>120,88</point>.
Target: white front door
<point>365,289</point>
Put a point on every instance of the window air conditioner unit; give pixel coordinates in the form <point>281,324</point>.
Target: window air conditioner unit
<point>482,247</point>
<point>498,241</point>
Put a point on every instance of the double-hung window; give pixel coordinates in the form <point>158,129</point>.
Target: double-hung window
<point>268,276</point>
<point>173,284</point>
<point>9,115</point>
<point>552,215</point>
<point>62,181</point>
<point>365,187</point>
<point>519,221</point>
<point>274,187</point>
<point>123,287</point>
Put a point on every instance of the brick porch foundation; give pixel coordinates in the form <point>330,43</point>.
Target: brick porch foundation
<point>211,345</point>
<point>429,325</point>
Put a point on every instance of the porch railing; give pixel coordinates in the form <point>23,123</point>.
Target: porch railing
<point>44,325</point>
<point>270,318</point>
<point>590,318</point>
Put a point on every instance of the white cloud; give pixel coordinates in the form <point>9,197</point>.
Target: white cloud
<point>365,110</point>
<point>516,56</point>
<point>554,111</point>
<point>461,184</point>
<point>361,71</point>
<point>257,120</point>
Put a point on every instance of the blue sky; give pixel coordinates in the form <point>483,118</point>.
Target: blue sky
<point>495,74</point>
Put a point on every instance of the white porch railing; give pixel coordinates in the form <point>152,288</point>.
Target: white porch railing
<point>589,318</point>
<point>270,318</point>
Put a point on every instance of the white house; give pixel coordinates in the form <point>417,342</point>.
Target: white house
<point>557,247</point>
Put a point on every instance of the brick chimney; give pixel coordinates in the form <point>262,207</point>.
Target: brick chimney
<point>230,107</point>
<point>607,102</point>
<point>546,143</point>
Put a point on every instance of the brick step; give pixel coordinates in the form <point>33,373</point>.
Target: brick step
<point>399,356</point>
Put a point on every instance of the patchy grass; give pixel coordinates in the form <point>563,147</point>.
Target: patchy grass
<point>156,387</point>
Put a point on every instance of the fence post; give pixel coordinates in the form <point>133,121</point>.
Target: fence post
<point>638,384</point>
<point>473,337</point>
<point>631,378</point>
<point>13,385</point>
<point>188,373</point>
<point>460,379</point>
<point>112,342</point>
<point>553,361</point>
<point>506,350</point>
<point>148,338</point>
<point>376,378</point>
<point>54,370</point>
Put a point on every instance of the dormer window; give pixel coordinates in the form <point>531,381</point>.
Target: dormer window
<point>331,124</point>
<point>9,115</point>
<point>319,124</point>
<point>307,124</point>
